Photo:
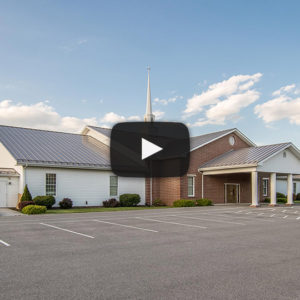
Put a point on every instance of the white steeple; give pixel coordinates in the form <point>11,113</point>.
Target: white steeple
<point>149,117</point>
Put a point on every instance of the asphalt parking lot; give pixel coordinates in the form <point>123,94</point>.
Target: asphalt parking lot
<point>182,253</point>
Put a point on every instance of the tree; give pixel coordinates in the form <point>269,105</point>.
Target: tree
<point>26,195</point>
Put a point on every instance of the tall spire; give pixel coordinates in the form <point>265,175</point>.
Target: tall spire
<point>149,117</point>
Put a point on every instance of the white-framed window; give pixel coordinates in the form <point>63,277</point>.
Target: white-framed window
<point>113,185</point>
<point>265,186</point>
<point>295,188</point>
<point>50,184</point>
<point>191,185</point>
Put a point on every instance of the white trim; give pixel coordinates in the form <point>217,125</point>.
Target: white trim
<point>193,181</point>
<point>228,171</point>
<point>238,195</point>
<point>55,184</point>
<point>235,130</point>
<point>228,167</point>
<point>267,179</point>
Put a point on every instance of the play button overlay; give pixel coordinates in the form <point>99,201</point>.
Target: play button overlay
<point>150,149</point>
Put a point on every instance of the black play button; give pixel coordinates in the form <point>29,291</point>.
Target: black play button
<point>150,149</point>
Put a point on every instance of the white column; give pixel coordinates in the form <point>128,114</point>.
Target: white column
<point>290,189</point>
<point>273,201</point>
<point>254,185</point>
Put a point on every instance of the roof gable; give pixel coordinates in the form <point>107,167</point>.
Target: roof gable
<point>251,156</point>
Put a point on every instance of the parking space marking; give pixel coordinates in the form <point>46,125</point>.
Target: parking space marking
<point>238,217</point>
<point>209,220</point>
<point>174,223</point>
<point>298,218</point>
<point>122,225</point>
<point>261,214</point>
<point>284,217</point>
<point>67,230</point>
<point>273,215</point>
<point>4,243</point>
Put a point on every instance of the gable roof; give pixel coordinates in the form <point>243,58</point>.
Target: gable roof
<point>247,156</point>
<point>202,140</point>
<point>50,148</point>
<point>104,131</point>
<point>195,141</point>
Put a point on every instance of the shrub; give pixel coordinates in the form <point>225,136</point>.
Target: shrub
<point>24,203</point>
<point>298,197</point>
<point>47,201</point>
<point>34,209</point>
<point>158,202</point>
<point>66,203</point>
<point>204,202</point>
<point>26,195</point>
<point>267,200</point>
<point>280,195</point>
<point>130,200</point>
<point>281,200</point>
<point>111,203</point>
<point>184,203</point>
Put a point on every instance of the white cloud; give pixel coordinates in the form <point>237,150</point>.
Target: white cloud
<point>40,115</point>
<point>165,101</point>
<point>284,105</point>
<point>223,100</point>
<point>112,117</point>
<point>158,114</point>
<point>284,89</point>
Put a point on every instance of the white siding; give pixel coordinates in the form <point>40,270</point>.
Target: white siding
<point>280,164</point>
<point>98,136</point>
<point>281,186</point>
<point>82,185</point>
<point>12,188</point>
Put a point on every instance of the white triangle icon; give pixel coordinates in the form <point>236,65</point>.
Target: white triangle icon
<point>149,148</point>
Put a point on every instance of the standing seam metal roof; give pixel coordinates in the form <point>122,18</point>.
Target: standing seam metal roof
<point>41,147</point>
<point>245,156</point>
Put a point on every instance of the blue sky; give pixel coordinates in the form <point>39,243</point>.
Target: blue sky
<point>214,64</point>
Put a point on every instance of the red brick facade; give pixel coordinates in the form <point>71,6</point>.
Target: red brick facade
<point>170,189</point>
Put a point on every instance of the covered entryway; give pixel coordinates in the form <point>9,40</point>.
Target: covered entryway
<point>3,194</point>
<point>232,193</point>
<point>254,168</point>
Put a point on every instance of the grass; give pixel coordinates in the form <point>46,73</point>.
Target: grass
<point>99,209</point>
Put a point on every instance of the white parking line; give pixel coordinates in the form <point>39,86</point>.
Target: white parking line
<point>174,223</point>
<point>284,210</point>
<point>122,225</point>
<point>298,218</point>
<point>210,220</point>
<point>67,230</point>
<point>273,215</point>
<point>260,214</point>
<point>284,217</point>
<point>238,217</point>
<point>4,243</point>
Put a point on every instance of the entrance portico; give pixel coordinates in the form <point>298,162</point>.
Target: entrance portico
<point>256,170</point>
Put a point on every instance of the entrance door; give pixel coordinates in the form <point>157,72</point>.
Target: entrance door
<point>2,194</point>
<point>232,193</point>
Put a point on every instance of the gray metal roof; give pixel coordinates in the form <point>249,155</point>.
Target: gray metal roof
<point>245,156</point>
<point>195,141</point>
<point>105,131</point>
<point>198,141</point>
<point>50,148</point>
<point>8,172</point>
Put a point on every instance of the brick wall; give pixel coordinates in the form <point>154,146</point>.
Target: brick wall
<point>171,189</point>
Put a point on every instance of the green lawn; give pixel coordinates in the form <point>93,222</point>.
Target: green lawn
<point>99,209</point>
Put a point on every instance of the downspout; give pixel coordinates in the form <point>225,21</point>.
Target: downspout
<point>202,186</point>
<point>151,191</point>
